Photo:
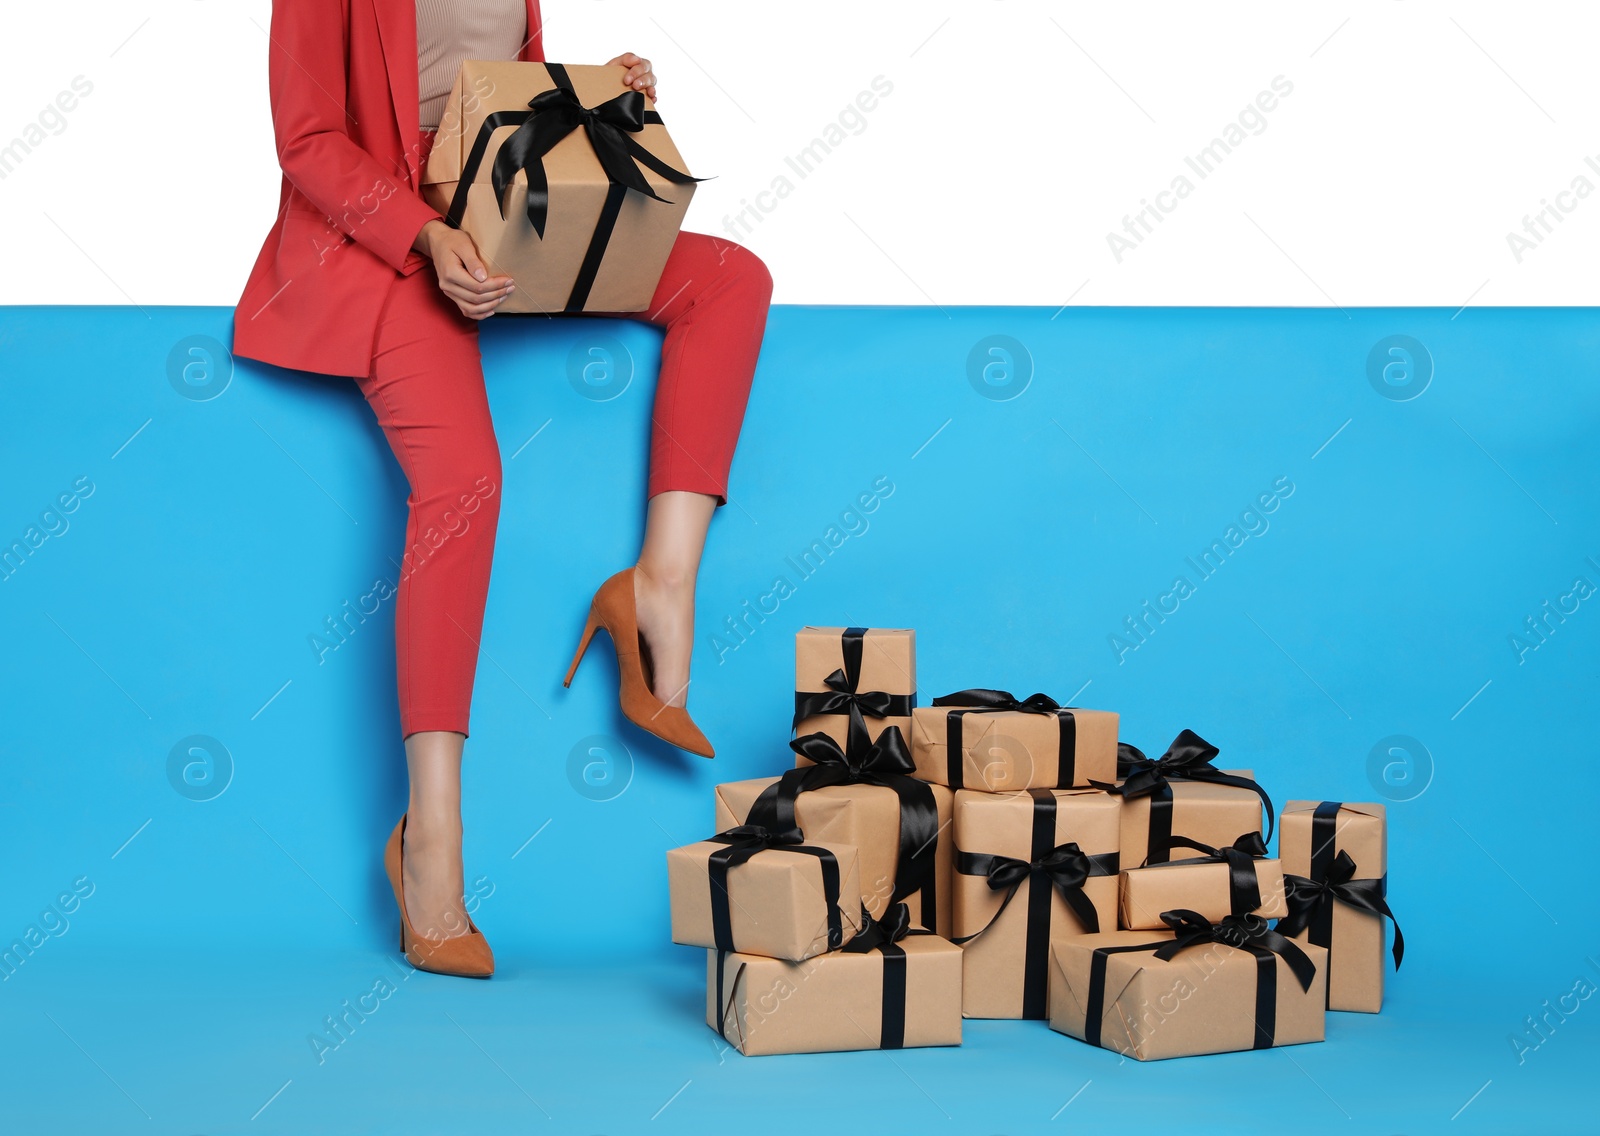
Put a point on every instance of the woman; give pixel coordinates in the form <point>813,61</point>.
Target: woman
<point>360,277</point>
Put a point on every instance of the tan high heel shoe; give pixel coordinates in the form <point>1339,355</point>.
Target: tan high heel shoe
<point>613,608</point>
<point>465,956</point>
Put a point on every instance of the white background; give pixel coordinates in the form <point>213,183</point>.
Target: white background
<point>1017,137</point>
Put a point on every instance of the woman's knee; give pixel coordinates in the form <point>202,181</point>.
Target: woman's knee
<point>466,484</point>
<point>749,272</point>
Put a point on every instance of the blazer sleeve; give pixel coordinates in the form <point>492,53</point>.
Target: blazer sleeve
<point>306,82</point>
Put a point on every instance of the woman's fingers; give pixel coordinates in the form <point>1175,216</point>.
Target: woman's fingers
<point>460,276</point>
<point>640,76</point>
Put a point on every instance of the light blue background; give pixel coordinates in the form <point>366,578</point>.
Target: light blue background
<point>1020,533</point>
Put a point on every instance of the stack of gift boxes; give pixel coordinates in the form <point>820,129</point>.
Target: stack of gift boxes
<point>990,857</point>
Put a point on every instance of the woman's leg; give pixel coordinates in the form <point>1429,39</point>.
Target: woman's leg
<point>712,299</point>
<point>426,388</point>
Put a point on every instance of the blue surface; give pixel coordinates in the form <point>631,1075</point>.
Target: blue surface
<point>1377,599</point>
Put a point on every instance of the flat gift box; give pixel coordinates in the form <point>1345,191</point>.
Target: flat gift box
<point>604,245</point>
<point>1201,810</point>
<point>837,1001</point>
<point>777,902</point>
<point>1207,999</point>
<point>1005,750</point>
<point>1147,892</point>
<point>1005,969</point>
<point>1354,938</point>
<point>867,817</point>
<point>862,661</point>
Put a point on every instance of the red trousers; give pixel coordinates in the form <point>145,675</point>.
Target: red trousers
<point>426,388</point>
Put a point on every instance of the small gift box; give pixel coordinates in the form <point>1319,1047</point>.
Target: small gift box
<point>1031,868</point>
<point>891,987</point>
<point>759,892</point>
<point>870,669</point>
<point>990,740</point>
<point>861,795</point>
<point>1200,987</point>
<point>1238,879</point>
<point>580,202</point>
<point>1335,854</point>
<point>1183,794</point>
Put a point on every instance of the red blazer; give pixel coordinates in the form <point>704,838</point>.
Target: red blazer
<point>342,76</point>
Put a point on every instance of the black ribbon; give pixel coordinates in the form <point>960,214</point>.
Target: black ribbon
<point>1188,758</point>
<point>1064,868</point>
<point>843,692</point>
<point>1191,929</point>
<point>885,762</point>
<point>552,115</point>
<point>881,935</point>
<point>1244,888</point>
<point>982,700</point>
<point>1309,898</point>
<point>743,842</point>
<point>884,935</point>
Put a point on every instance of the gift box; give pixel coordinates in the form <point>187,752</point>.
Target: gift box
<point>892,987</point>
<point>990,740</point>
<point>567,181</point>
<point>1335,856</point>
<point>1238,879</point>
<point>873,669</point>
<point>1196,988</point>
<point>900,827</point>
<point>1031,867</point>
<point>764,893</point>
<point>1183,794</point>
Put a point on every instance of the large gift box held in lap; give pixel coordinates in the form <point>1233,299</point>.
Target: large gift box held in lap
<point>567,181</point>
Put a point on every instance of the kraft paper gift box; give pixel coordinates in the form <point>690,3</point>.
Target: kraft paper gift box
<point>1031,867</point>
<point>871,668</point>
<point>1115,991</point>
<point>990,740</point>
<point>868,818</point>
<point>762,893</point>
<point>1239,879</point>
<point>1335,856</point>
<point>1182,794</point>
<point>580,209</point>
<point>890,988</point>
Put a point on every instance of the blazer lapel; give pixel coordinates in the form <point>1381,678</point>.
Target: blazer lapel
<point>397,28</point>
<point>533,45</point>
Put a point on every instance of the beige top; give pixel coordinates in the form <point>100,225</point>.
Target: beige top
<point>452,31</point>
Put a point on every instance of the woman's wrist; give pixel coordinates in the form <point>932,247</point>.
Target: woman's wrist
<point>425,235</point>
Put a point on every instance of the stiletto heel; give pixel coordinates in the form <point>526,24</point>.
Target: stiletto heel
<point>583,645</point>
<point>465,956</point>
<point>613,608</point>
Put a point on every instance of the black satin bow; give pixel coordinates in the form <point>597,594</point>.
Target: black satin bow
<point>1244,888</point>
<point>745,840</point>
<point>840,697</point>
<point>1247,932</point>
<point>556,114</point>
<point>1188,758</point>
<point>885,762</point>
<point>981,698</point>
<point>1306,896</point>
<point>1064,867</point>
<point>891,928</point>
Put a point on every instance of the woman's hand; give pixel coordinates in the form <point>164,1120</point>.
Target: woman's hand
<point>462,275</point>
<point>639,77</point>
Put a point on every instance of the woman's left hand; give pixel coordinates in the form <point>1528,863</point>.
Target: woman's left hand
<point>638,77</point>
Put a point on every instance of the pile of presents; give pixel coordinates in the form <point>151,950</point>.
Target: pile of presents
<point>1013,859</point>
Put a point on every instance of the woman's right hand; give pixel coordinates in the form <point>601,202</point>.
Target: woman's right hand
<point>462,275</point>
